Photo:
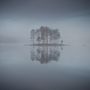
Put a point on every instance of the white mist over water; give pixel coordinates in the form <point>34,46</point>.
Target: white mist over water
<point>17,70</point>
<point>74,31</point>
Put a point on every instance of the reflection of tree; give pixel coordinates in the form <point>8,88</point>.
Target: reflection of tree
<point>45,54</point>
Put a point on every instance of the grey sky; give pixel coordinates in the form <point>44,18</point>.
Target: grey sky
<point>44,8</point>
<point>18,17</point>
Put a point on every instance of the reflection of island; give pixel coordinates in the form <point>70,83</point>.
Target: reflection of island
<point>46,43</point>
<point>45,54</point>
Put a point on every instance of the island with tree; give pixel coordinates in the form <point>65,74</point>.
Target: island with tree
<point>46,36</point>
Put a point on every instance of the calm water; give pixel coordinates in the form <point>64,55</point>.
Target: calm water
<point>44,68</point>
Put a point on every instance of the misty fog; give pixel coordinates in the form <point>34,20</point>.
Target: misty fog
<point>25,67</point>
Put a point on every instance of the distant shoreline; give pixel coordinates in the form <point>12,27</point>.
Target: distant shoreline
<point>48,44</point>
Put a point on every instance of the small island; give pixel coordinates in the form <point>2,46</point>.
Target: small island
<point>46,37</point>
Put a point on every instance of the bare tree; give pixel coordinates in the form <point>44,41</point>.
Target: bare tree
<point>45,34</point>
<point>32,35</point>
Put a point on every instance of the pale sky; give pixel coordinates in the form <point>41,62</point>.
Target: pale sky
<point>71,17</point>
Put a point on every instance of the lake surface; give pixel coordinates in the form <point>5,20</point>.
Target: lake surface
<point>44,68</point>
